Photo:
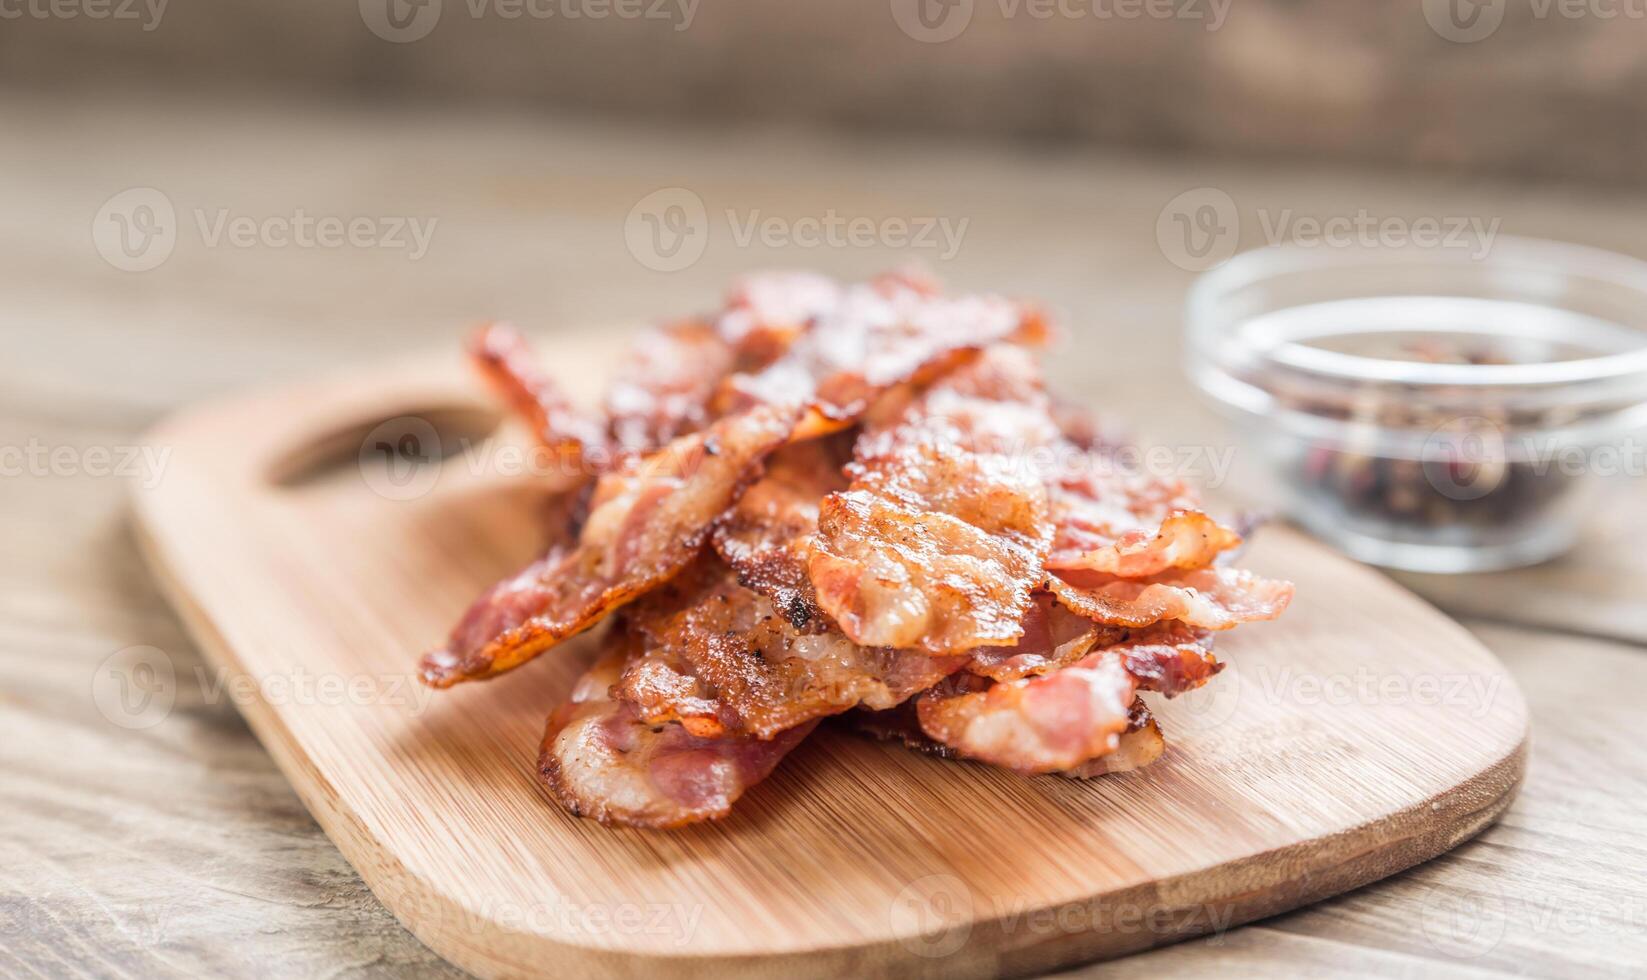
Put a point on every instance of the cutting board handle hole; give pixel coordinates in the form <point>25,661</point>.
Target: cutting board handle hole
<point>394,452</point>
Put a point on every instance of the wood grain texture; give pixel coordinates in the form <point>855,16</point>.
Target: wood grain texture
<point>181,850</point>
<point>1360,735</point>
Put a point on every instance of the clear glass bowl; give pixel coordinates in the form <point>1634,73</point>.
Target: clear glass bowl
<point>1430,408</point>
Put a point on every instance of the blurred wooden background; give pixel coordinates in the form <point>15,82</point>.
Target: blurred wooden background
<point>1541,88</point>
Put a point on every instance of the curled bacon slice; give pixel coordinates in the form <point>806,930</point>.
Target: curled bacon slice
<point>662,387</point>
<point>645,524</point>
<point>719,658</point>
<point>1186,539</point>
<point>1061,720</point>
<point>1121,522</point>
<point>876,336</point>
<point>1217,598</point>
<point>1052,637</point>
<point>1138,746</point>
<point>767,312</point>
<point>941,537</point>
<point>767,536</point>
<point>603,761</point>
<point>506,361</point>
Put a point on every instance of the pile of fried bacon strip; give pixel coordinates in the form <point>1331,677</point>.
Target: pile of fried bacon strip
<point>853,501</point>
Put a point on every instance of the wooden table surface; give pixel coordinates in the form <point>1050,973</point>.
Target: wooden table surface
<point>179,849</point>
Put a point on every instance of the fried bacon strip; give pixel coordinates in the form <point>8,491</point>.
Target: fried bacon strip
<point>1137,747</point>
<point>506,361</point>
<point>662,387</point>
<point>1063,719</point>
<point>942,535</point>
<point>646,522</point>
<point>767,536</point>
<point>719,658</point>
<point>603,761</point>
<point>1052,637</point>
<point>766,313</point>
<point>1217,598</point>
<point>878,335</point>
<point>1140,745</point>
<point>1186,539</point>
<point>1126,523</point>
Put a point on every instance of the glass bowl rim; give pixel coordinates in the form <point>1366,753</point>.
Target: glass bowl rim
<point>1255,266</point>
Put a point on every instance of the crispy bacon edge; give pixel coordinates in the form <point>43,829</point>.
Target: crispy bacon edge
<point>602,761</point>
<point>566,592</point>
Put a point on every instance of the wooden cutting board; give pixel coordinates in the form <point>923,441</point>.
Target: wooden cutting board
<point>315,541</point>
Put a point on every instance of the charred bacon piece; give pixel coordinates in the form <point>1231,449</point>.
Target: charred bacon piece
<point>877,336</point>
<point>720,658</point>
<point>603,761</point>
<point>941,538</point>
<point>645,523</point>
<point>767,535</point>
